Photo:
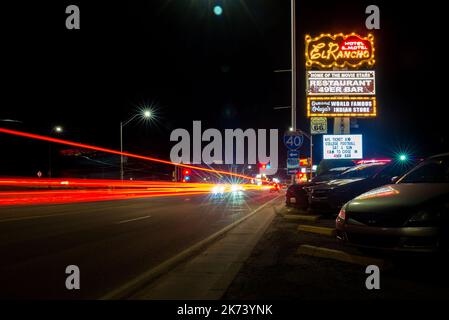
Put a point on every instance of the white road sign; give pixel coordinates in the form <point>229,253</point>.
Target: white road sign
<point>342,146</point>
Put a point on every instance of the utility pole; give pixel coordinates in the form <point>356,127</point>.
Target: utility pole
<point>121,150</point>
<point>293,74</point>
<point>293,40</point>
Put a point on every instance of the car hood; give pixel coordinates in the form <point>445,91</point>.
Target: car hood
<point>337,183</point>
<point>396,196</point>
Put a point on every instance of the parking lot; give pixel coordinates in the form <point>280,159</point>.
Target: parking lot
<point>299,258</point>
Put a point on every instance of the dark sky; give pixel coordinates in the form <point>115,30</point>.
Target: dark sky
<point>194,65</point>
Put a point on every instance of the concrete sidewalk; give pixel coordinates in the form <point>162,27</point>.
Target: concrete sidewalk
<point>208,275</point>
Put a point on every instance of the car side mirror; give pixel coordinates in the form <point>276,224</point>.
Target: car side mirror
<point>395,179</point>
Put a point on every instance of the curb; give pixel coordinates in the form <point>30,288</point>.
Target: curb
<point>319,230</point>
<point>311,218</point>
<point>147,277</point>
<point>285,210</point>
<point>320,252</point>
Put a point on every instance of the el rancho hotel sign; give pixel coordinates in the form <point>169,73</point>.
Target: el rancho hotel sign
<point>339,50</point>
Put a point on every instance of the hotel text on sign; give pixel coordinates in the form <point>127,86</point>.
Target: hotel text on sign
<point>340,50</point>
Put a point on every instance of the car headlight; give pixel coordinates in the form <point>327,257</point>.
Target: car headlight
<point>236,188</point>
<point>218,189</point>
<point>424,218</point>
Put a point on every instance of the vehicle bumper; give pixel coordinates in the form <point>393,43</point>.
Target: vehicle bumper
<point>298,200</point>
<point>412,239</point>
<point>325,205</point>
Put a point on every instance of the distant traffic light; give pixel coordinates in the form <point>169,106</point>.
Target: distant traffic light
<point>186,175</point>
<point>403,157</point>
<point>265,165</point>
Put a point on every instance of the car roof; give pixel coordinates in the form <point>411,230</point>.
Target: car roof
<point>439,155</point>
<point>339,169</point>
<point>366,165</point>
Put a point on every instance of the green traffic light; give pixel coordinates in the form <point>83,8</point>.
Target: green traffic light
<point>218,10</point>
<point>403,157</point>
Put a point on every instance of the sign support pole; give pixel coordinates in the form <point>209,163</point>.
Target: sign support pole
<point>293,43</point>
<point>311,154</point>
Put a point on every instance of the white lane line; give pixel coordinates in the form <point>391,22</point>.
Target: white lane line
<point>140,218</point>
<point>147,277</point>
<point>36,217</point>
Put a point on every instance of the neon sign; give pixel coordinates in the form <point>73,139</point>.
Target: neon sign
<point>340,50</point>
<point>334,106</point>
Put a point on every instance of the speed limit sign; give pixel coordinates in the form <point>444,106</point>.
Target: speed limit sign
<point>318,125</point>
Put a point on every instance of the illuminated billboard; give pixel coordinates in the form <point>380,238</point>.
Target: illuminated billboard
<point>335,106</point>
<point>341,82</point>
<point>339,50</point>
<point>342,146</point>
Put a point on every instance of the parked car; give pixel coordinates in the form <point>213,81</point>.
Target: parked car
<point>296,195</point>
<point>329,175</point>
<point>330,196</point>
<point>410,215</point>
<point>326,164</point>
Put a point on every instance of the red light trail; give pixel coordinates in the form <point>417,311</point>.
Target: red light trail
<point>32,191</point>
<point>35,191</point>
<point>126,154</point>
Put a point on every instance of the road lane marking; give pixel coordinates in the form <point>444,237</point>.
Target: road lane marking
<point>144,279</point>
<point>311,218</point>
<point>90,209</point>
<point>135,219</point>
<point>36,217</point>
<point>319,230</point>
<point>320,252</point>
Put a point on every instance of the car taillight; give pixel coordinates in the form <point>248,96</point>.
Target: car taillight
<point>342,215</point>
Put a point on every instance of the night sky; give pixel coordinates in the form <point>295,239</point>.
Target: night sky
<point>192,65</point>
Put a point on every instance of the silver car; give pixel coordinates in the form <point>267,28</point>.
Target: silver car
<point>409,215</point>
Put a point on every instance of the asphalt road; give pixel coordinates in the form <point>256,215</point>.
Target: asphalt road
<point>111,242</point>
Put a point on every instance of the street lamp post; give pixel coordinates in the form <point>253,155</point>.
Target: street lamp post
<point>146,114</point>
<point>57,129</point>
<point>293,71</point>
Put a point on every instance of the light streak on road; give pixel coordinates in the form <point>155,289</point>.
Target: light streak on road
<point>34,191</point>
<point>126,154</point>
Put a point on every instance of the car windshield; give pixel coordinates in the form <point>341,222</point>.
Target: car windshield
<point>362,171</point>
<point>435,170</point>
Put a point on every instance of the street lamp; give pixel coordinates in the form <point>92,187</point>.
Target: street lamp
<point>11,120</point>
<point>56,129</point>
<point>144,114</point>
